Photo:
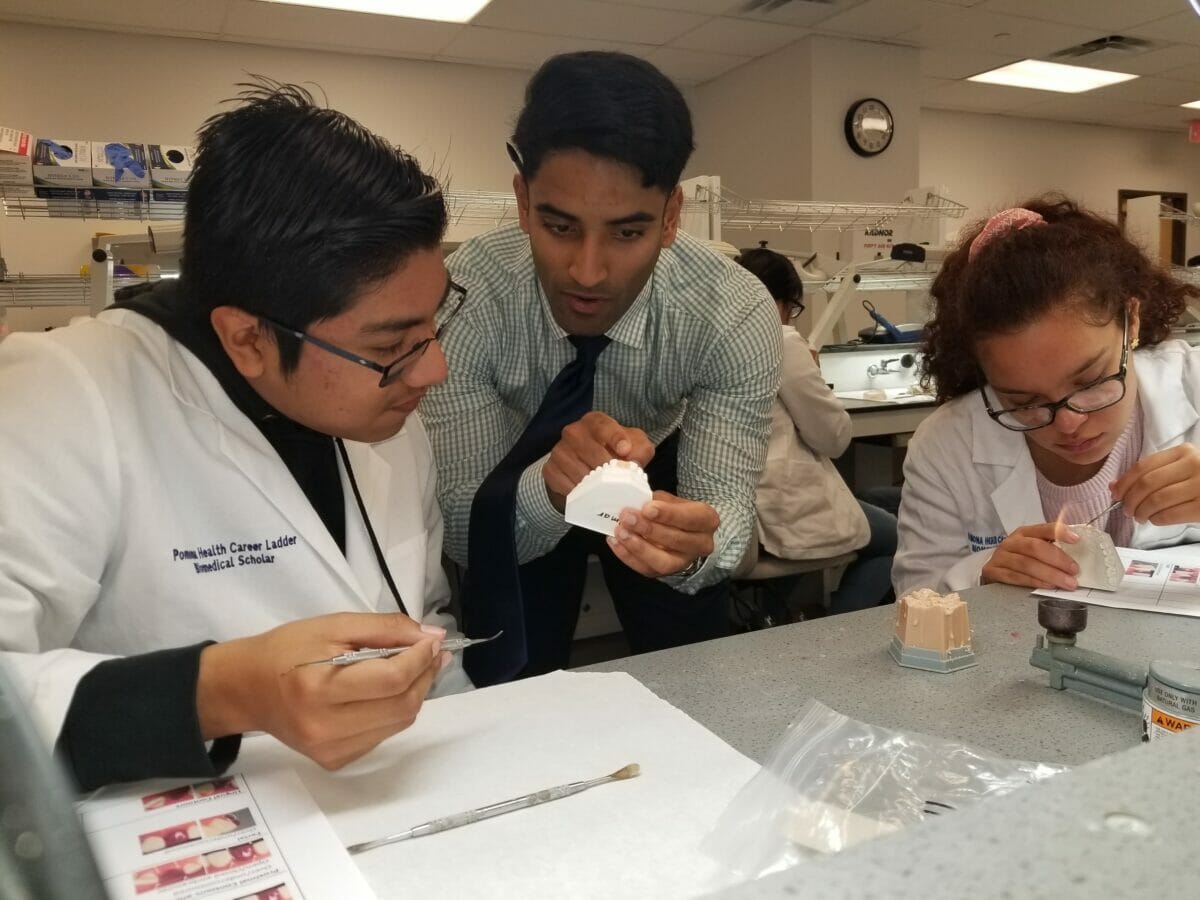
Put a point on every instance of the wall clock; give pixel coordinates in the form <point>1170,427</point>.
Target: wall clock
<point>869,127</point>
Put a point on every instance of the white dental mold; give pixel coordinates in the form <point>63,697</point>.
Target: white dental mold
<point>597,501</point>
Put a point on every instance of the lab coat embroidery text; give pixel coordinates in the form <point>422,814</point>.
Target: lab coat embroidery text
<point>986,542</point>
<point>217,557</point>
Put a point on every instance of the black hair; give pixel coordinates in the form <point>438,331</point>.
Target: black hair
<point>293,210</point>
<point>776,272</point>
<point>610,105</point>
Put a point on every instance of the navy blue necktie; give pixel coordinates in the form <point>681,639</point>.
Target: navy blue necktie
<point>491,593</point>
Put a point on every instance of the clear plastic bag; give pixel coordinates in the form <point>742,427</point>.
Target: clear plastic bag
<point>833,782</point>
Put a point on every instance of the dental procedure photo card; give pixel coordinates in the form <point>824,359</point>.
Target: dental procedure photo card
<point>229,838</point>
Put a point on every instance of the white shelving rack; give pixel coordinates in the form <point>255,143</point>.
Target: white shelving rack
<point>714,212</point>
<point>717,209</point>
<point>710,208</point>
<point>478,208</point>
<point>56,290</point>
<point>1167,211</point>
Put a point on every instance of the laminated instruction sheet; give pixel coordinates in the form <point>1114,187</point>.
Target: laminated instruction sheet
<point>1162,581</point>
<point>229,838</point>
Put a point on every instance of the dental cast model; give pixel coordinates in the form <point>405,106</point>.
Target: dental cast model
<point>932,632</point>
<point>1099,564</point>
<point>597,501</point>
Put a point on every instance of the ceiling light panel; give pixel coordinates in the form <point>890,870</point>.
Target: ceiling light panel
<point>1045,76</point>
<point>435,10</point>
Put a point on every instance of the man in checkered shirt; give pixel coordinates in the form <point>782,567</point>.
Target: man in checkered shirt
<point>683,387</point>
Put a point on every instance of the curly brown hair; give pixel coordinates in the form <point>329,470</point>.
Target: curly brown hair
<point>1078,258</point>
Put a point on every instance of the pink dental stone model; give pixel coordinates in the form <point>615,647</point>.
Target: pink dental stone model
<point>932,632</point>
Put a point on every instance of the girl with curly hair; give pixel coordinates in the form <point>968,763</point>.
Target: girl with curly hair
<point>1060,394</point>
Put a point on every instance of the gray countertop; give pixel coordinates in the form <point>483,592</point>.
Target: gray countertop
<point>1118,827</point>
<point>747,688</point>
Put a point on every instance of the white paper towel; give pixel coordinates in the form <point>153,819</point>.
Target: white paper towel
<point>637,838</point>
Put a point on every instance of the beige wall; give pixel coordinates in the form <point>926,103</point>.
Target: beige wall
<point>109,86</point>
<point>990,162</point>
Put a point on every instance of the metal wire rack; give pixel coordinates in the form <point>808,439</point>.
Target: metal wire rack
<point>741,212</point>
<point>498,207</point>
<point>144,210</point>
<point>1167,211</point>
<point>1186,274</point>
<point>56,290</point>
<point>489,207</point>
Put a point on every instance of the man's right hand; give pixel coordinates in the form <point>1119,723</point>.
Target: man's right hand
<point>331,714</point>
<point>1028,557</point>
<point>586,444</point>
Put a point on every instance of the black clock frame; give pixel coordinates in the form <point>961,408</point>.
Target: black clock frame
<point>848,127</point>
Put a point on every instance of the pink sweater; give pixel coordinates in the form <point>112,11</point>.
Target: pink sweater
<point>1080,502</point>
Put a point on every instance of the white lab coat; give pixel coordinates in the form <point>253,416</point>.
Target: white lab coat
<point>127,469</point>
<point>969,482</point>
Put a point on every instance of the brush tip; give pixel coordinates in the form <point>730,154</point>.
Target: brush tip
<point>630,771</point>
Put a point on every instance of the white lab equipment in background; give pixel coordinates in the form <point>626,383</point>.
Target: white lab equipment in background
<point>165,238</point>
<point>845,235</point>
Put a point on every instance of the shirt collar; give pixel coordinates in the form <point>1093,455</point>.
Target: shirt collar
<point>629,329</point>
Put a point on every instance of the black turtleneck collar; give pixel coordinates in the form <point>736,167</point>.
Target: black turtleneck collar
<point>310,456</point>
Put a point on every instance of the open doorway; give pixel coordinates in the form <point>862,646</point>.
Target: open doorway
<point>1139,218</point>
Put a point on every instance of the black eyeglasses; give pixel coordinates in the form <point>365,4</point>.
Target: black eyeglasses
<point>1090,398</point>
<point>393,371</point>
<point>795,308</point>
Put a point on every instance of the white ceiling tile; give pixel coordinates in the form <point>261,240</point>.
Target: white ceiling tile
<point>1184,73</point>
<point>1181,28</point>
<point>955,62</point>
<point>1158,91</point>
<point>957,38</point>
<point>296,26</point>
<point>1106,15</point>
<point>518,49</point>
<point>878,18</point>
<point>704,7</point>
<point>176,17</point>
<point>803,14</point>
<point>981,97</point>
<point>1149,62</point>
<point>1007,35</point>
<point>739,37</point>
<point>589,19</point>
<point>691,66</point>
<point>1085,109</point>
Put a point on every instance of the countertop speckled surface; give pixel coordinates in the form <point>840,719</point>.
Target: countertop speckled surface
<point>1067,838</point>
<point>747,688</point>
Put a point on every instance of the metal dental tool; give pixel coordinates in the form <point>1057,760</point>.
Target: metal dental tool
<point>496,809</point>
<point>453,645</point>
<point>1116,504</point>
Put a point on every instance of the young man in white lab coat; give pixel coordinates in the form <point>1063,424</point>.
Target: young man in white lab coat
<point>197,477</point>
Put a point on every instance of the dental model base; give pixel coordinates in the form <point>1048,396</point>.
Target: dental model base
<point>1086,671</point>
<point>932,632</point>
<point>596,502</point>
<point>1099,564</point>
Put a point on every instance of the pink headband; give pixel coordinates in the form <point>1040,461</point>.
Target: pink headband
<point>1001,223</point>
